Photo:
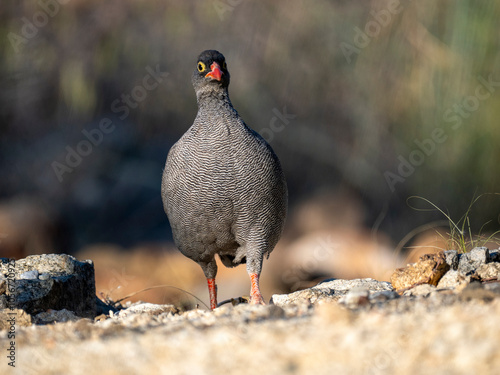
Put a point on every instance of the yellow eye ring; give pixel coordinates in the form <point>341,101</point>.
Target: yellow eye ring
<point>224,66</point>
<point>201,67</point>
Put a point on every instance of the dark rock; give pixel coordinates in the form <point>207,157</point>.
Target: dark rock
<point>53,316</point>
<point>471,261</point>
<point>494,255</point>
<point>70,284</point>
<point>104,308</point>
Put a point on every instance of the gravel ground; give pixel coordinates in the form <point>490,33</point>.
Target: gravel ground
<point>425,331</point>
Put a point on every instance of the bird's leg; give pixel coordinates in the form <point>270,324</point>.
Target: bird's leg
<point>212,291</point>
<point>210,271</point>
<point>255,295</point>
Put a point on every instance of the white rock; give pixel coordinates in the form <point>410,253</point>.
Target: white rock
<point>330,290</point>
<point>147,308</point>
<point>29,275</point>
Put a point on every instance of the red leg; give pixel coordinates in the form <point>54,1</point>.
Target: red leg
<point>212,291</point>
<point>255,295</point>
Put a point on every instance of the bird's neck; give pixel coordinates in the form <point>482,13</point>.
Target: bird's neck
<point>214,100</point>
<point>216,115</point>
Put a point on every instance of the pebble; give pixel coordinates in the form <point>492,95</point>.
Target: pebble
<point>147,308</point>
<point>450,280</point>
<point>329,291</point>
<point>489,271</point>
<point>423,290</point>
<point>29,275</point>
<point>452,258</point>
<point>472,260</point>
<point>383,296</point>
<point>52,316</point>
<point>357,296</point>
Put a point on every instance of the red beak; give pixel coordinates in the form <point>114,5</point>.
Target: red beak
<point>216,73</point>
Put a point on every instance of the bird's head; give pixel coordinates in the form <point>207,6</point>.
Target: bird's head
<point>211,72</point>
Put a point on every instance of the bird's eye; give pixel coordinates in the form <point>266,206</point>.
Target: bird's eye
<point>224,66</point>
<point>201,67</point>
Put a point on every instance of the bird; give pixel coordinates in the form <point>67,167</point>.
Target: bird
<point>223,187</point>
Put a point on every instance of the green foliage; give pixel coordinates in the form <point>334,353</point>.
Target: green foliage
<point>460,237</point>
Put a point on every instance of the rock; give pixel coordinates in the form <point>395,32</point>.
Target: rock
<point>494,255</point>
<point>19,317</point>
<point>149,309</point>
<point>361,296</point>
<point>104,308</point>
<point>69,285</point>
<point>329,290</point>
<point>493,286</point>
<point>3,284</point>
<point>423,290</point>
<point>476,291</point>
<point>471,261</point>
<point>357,296</point>
<point>331,313</point>
<point>343,286</point>
<point>52,316</point>
<point>44,276</point>
<point>100,318</point>
<point>428,270</point>
<point>29,275</point>
<point>276,312</point>
<point>309,295</point>
<point>452,258</point>
<point>451,279</point>
<point>489,271</point>
<point>253,313</point>
<point>383,296</point>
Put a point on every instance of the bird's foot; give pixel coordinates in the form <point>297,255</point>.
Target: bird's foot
<point>257,300</point>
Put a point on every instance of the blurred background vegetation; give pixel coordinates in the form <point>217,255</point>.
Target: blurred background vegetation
<point>362,83</point>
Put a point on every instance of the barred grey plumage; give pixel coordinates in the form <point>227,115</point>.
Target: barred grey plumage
<point>223,188</point>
